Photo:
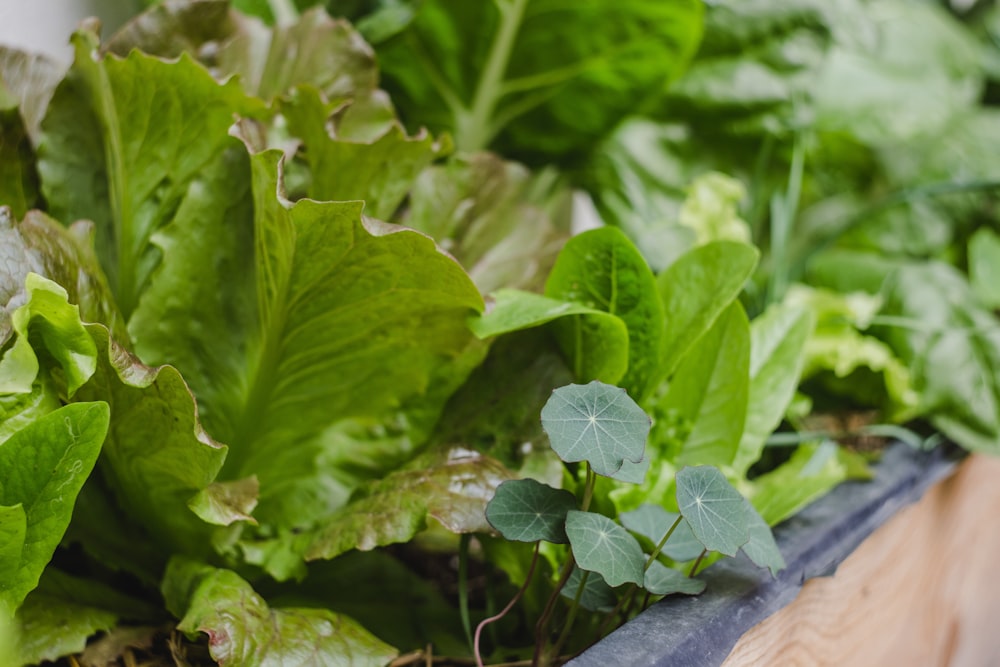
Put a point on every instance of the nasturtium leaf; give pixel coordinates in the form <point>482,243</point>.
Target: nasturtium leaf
<point>777,353</point>
<point>524,510</point>
<point>662,580</point>
<point>632,472</point>
<point>596,423</point>
<point>709,391</point>
<point>452,486</point>
<point>601,545</point>
<point>244,630</point>
<point>653,522</point>
<point>601,269</point>
<point>596,594</point>
<point>696,289</point>
<point>42,469</point>
<point>714,509</point>
<point>761,547</point>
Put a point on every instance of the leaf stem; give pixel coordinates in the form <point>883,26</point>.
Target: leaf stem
<point>588,489</point>
<point>463,586</point>
<point>662,543</point>
<point>542,626</point>
<point>571,617</point>
<point>694,568</point>
<point>473,130</point>
<point>510,605</point>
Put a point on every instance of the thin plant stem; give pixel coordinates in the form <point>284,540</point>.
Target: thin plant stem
<point>613,614</point>
<point>510,605</point>
<point>542,626</point>
<point>662,543</point>
<point>694,568</point>
<point>588,489</point>
<point>463,586</point>
<point>571,617</point>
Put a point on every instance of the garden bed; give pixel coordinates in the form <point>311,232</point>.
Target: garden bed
<point>743,607</point>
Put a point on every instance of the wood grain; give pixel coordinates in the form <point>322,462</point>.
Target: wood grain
<point>923,590</point>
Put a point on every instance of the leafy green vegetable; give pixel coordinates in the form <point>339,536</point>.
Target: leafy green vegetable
<point>602,269</point>
<point>761,547</point>
<point>715,510</point>
<point>478,68</point>
<point>601,545</point>
<point>662,580</point>
<point>528,511</point>
<point>42,468</point>
<point>243,630</point>
<point>984,266</point>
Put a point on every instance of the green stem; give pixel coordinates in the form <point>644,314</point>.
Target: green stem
<point>463,587</point>
<point>542,627</point>
<point>588,489</point>
<point>571,617</point>
<point>783,212</point>
<point>663,542</point>
<point>694,568</point>
<point>473,130</point>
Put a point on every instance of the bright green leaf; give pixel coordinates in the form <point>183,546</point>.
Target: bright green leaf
<point>809,474</point>
<point>601,545</point>
<point>52,628</point>
<point>662,580</point>
<point>601,269</point>
<point>777,353</point>
<point>709,391</point>
<point>714,509</point>
<point>984,266</point>
<point>696,289</point>
<point>42,469</point>
<point>512,310</point>
<point>524,510</point>
<point>244,630</point>
<point>596,423</point>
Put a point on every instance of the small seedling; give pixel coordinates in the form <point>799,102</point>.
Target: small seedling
<point>605,564</point>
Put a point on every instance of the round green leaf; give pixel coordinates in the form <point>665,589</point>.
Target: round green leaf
<point>596,423</point>
<point>715,510</point>
<point>761,547</point>
<point>601,545</point>
<point>653,522</point>
<point>524,510</point>
<point>662,580</point>
<point>596,595</point>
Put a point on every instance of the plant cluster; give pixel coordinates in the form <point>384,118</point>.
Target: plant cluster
<point>299,351</point>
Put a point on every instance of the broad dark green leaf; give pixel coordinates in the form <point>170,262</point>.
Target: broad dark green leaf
<point>761,547</point>
<point>601,269</point>
<point>524,510</point>
<point>42,469</point>
<point>244,630</point>
<point>450,486</point>
<point>600,545</point>
<point>596,423</point>
<point>512,70</point>
<point>709,391</point>
<point>777,353</point>
<point>696,289</point>
<point>714,509</point>
<point>662,580</point>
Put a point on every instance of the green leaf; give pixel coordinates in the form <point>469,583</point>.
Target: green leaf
<point>524,510</point>
<point>18,176</point>
<point>244,630</point>
<point>709,391</point>
<point>49,321</point>
<point>696,289</point>
<point>596,595</point>
<point>714,509</point>
<point>153,485</point>
<point>512,310</point>
<point>596,423</point>
<point>812,471</point>
<point>379,171</point>
<point>224,503</point>
<point>51,627</point>
<point>777,354</point>
<point>711,209</point>
<point>601,545</point>
<point>474,68</point>
<point>122,140</point>
<point>601,269</point>
<point>662,580</point>
<point>653,522</point>
<point>502,222</point>
<point>452,486</point>
<point>761,547</point>
<point>30,79</point>
<point>42,469</point>
<point>984,266</point>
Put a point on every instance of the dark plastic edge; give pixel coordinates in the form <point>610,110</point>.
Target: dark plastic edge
<point>702,631</point>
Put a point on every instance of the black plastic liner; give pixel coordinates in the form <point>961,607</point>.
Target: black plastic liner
<point>702,631</point>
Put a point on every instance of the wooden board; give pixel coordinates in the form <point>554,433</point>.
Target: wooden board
<point>924,589</point>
